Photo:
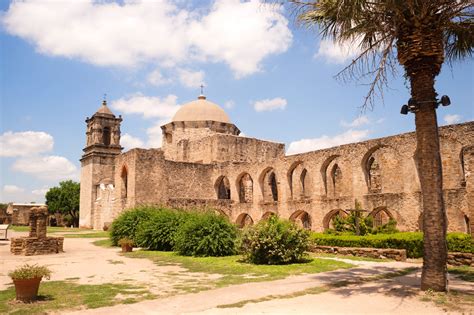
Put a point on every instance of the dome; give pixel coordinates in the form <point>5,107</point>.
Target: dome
<point>200,110</point>
<point>104,109</point>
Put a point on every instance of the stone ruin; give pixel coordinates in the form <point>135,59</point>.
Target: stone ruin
<point>37,243</point>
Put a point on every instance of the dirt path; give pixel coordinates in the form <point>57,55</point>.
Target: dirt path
<point>90,264</point>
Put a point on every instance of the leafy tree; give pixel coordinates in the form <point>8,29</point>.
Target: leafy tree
<point>420,35</point>
<point>65,200</point>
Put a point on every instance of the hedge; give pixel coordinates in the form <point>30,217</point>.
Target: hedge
<point>411,241</point>
<point>125,225</point>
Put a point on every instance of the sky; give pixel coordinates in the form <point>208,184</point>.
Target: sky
<point>274,78</point>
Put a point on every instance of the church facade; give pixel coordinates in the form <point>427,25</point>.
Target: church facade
<point>204,163</point>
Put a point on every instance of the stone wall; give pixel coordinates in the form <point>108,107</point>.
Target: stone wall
<point>382,253</point>
<point>460,259</point>
<point>29,246</point>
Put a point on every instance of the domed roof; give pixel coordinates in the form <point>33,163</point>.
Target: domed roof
<point>104,109</point>
<point>199,110</point>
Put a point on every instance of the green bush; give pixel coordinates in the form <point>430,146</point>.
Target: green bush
<point>125,225</point>
<point>274,241</point>
<point>159,231</point>
<point>411,241</point>
<point>206,234</point>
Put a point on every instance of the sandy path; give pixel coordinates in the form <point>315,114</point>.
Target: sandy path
<point>86,263</point>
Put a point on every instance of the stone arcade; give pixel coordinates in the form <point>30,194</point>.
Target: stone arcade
<point>204,162</point>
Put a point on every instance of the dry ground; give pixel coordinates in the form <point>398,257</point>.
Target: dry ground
<point>303,294</point>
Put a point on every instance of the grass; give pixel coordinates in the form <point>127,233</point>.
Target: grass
<point>103,243</point>
<point>50,229</point>
<point>88,235</point>
<point>235,271</point>
<point>61,295</point>
<point>451,301</point>
<point>465,273</point>
<point>355,258</point>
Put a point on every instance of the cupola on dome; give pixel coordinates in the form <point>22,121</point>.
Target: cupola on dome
<point>201,110</point>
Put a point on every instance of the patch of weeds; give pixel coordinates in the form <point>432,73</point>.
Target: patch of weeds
<point>235,271</point>
<point>103,243</point>
<point>465,273</point>
<point>115,262</point>
<point>62,295</point>
<point>452,301</point>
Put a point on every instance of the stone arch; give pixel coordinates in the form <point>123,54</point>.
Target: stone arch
<point>222,187</point>
<point>299,181</point>
<point>467,223</point>
<point>106,134</point>
<point>267,215</point>
<point>381,216</point>
<point>302,219</point>
<point>244,219</point>
<point>331,215</point>
<point>245,188</point>
<point>124,182</point>
<point>336,180</point>
<point>268,184</point>
<point>324,171</point>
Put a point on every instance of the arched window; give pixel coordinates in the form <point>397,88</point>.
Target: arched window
<point>302,219</point>
<point>328,221</point>
<point>268,184</point>
<point>336,178</point>
<point>106,136</point>
<point>223,188</point>
<point>381,216</point>
<point>244,220</point>
<point>298,180</point>
<point>124,177</point>
<point>245,188</point>
<point>468,224</point>
<point>305,184</point>
<point>374,175</point>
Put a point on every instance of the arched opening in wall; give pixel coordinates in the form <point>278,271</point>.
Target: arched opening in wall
<point>244,220</point>
<point>463,167</point>
<point>295,186</point>
<point>302,219</point>
<point>245,186</point>
<point>124,178</point>
<point>269,185</point>
<point>336,179</point>
<point>324,173</point>
<point>467,222</point>
<point>328,221</point>
<point>267,215</point>
<point>305,183</point>
<point>374,176</point>
<point>223,188</point>
<point>106,136</point>
<point>380,216</point>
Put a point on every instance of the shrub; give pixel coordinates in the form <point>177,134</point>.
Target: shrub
<point>206,234</point>
<point>412,242</point>
<point>274,241</point>
<point>159,231</point>
<point>125,225</point>
<point>30,272</point>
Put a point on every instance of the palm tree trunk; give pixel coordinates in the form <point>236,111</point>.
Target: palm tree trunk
<point>434,274</point>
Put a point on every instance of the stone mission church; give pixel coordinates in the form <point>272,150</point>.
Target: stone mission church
<point>204,163</point>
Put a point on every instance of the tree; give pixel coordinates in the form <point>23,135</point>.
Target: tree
<point>65,200</point>
<point>420,35</point>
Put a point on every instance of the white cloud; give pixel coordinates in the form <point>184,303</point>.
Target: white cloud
<point>40,192</point>
<point>147,106</point>
<point>270,104</point>
<point>359,121</point>
<point>155,135</point>
<point>12,189</point>
<point>50,167</point>
<point>130,142</point>
<point>335,52</point>
<point>167,33</point>
<point>452,119</point>
<point>25,143</point>
<point>156,78</point>
<point>229,104</point>
<point>306,145</point>
<point>191,79</point>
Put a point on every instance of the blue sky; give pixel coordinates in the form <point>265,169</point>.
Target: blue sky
<point>275,80</point>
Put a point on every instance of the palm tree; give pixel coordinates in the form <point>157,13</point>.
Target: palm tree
<point>420,35</point>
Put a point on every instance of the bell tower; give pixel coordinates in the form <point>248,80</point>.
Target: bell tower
<point>98,164</point>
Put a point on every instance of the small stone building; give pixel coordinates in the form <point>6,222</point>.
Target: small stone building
<point>204,162</point>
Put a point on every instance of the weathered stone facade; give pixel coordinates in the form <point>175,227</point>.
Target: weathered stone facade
<point>37,243</point>
<point>205,163</point>
<point>19,213</point>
